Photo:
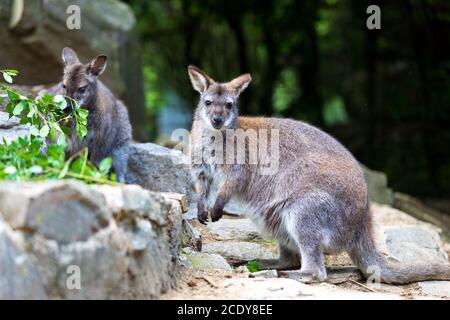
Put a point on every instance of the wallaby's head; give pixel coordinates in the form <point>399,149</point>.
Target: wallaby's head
<point>80,80</point>
<point>218,101</point>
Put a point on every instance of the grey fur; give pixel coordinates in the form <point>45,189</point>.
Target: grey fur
<point>316,203</point>
<point>109,128</point>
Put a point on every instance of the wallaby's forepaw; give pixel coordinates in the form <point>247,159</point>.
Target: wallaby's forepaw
<point>216,215</point>
<point>202,214</point>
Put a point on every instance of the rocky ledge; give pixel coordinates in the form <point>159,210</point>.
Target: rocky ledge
<point>67,240</point>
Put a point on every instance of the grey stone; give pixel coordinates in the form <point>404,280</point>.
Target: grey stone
<point>161,169</point>
<point>68,212</point>
<point>377,183</point>
<point>130,252</point>
<point>10,128</point>
<point>239,252</point>
<point>234,229</point>
<point>204,261</point>
<point>435,288</point>
<point>267,274</point>
<point>412,244</point>
<point>19,276</point>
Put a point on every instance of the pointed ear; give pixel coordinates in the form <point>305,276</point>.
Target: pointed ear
<point>69,56</point>
<point>199,79</point>
<point>97,65</point>
<point>240,83</point>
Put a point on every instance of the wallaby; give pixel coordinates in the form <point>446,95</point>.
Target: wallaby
<point>317,202</point>
<point>109,128</point>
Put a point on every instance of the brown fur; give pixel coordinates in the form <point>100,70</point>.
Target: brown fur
<point>317,202</point>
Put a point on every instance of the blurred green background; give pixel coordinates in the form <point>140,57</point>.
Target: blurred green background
<point>384,93</point>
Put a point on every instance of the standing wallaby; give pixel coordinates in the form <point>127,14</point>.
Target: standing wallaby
<point>317,202</point>
<point>109,128</point>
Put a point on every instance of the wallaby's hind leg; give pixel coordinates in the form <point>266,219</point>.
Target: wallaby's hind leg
<point>120,162</point>
<point>287,260</point>
<point>304,226</point>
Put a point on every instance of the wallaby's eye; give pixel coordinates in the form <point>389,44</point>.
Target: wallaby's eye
<point>229,105</point>
<point>63,86</point>
<point>208,102</point>
<point>82,90</point>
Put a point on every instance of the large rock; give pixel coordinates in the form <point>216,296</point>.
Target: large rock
<point>35,37</point>
<point>234,229</point>
<point>19,276</point>
<point>203,261</point>
<point>240,252</point>
<point>10,129</point>
<point>161,169</point>
<point>124,241</point>
<point>377,183</point>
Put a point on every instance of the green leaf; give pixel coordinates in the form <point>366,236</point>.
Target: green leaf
<point>7,77</point>
<point>65,170</point>
<point>19,107</point>
<point>60,101</point>
<point>105,165</point>
<point>44,131</point>
<point>81,131</point>
<point>35,170</point>
<point>10,170</point>
<point>52,134</point>
<point>83,113</point>
<point>61,140</point>
<point>253,266</point>
<point>34,131</point>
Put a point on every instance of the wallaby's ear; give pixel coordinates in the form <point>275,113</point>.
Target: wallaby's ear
<point>240,83</point>
<point>69,56</point>
<point>199,79</point>
<point>97,65</point>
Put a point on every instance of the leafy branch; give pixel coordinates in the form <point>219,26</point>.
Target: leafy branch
<point>42,155</point>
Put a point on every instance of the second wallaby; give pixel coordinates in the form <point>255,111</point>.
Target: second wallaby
<point>316,202</point>
<point>109,128</point>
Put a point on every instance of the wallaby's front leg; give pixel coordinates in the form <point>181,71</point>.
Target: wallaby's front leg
<point>120,162</point>
<point>223,196</point>
<point>202,188</point>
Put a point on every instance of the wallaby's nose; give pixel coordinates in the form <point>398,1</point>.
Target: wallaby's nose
<point>217,120</point>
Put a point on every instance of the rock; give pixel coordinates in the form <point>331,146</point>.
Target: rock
<point>204,261</point>
<point>36,39</point>
<point>240,252</point>
<point>10,128</point>
<point>19,276</point>
<point>412,244</point>
<point>435,288</point>
<point>419,210</point>
<point>61,211</point>
<point>123,241</point>
<point>161,169</point>
<point>267,274</point>
<point>378,186</point>
<point>234,229</point>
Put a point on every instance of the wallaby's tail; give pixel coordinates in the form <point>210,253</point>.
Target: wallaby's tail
<point>370,261</point>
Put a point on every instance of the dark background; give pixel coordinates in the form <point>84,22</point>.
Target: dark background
<point>384,93</point>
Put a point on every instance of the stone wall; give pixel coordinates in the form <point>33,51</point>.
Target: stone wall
<point>123,241</point>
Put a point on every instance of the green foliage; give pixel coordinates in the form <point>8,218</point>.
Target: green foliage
<point>34,158</point>
<point>334,111</point>
<point>253,266</point>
